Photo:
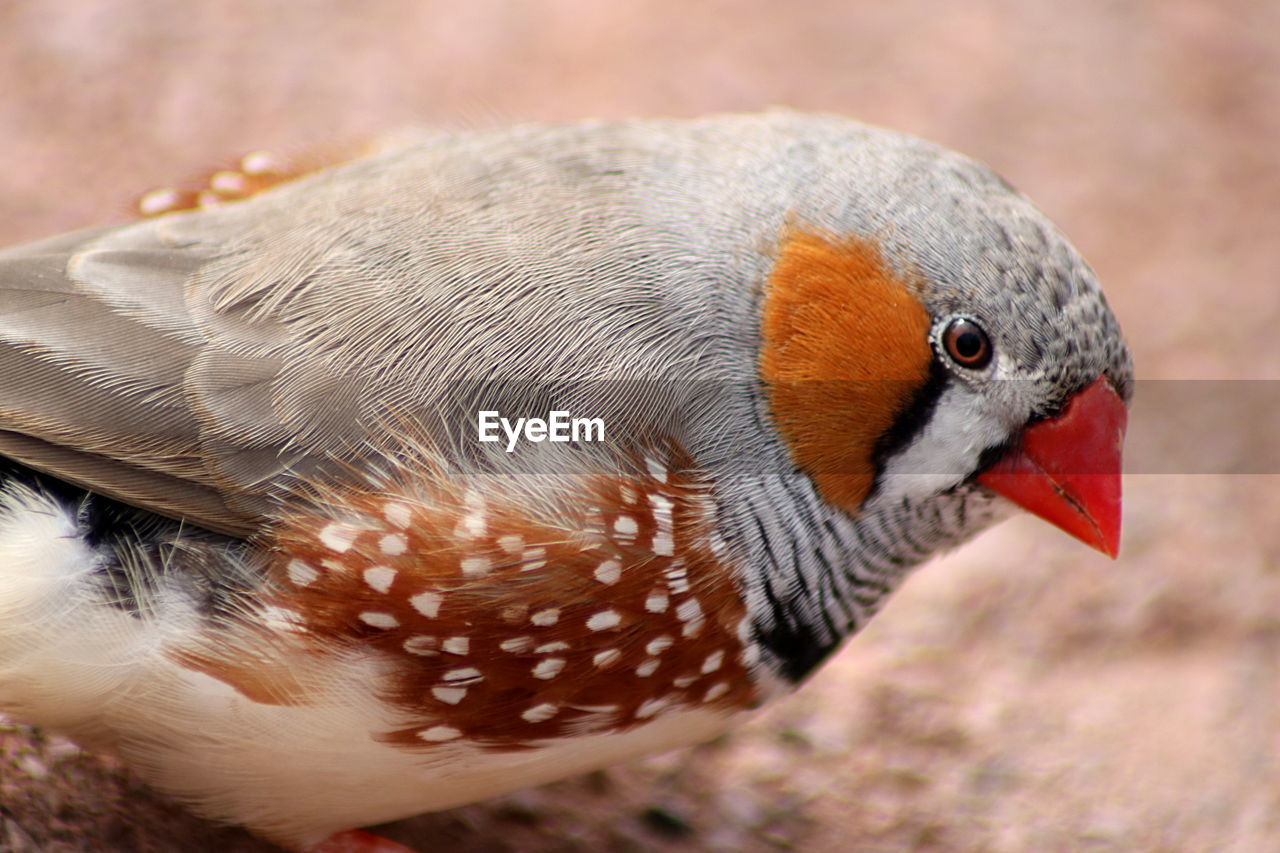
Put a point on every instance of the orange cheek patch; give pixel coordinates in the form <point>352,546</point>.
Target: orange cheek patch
<point>845,350</point>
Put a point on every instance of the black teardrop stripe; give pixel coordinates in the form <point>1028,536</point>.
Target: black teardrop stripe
<point>910,421</point>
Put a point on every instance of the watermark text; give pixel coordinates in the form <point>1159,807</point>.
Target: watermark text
<point>557,426</point>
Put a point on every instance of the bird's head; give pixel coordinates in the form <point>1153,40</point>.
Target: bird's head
<point>954,343</point>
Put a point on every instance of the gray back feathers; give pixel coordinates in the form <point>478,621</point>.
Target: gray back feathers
<point>199,364</point>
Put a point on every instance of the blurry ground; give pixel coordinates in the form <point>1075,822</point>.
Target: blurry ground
<point>1021,695</point>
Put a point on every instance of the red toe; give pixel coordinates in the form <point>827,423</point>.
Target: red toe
<point>359,841</point>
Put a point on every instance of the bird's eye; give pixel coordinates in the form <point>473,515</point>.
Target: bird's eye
<point>967,344</point>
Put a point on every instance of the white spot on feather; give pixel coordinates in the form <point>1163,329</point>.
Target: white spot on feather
<point>546,617</point>
<point>379,578</point>
<point>449,695</point>
<point>301,574</point>
<point>689,610</point>
<point>659,645</point>
<point>393,544</point>
<point>427,603</point>
<point>604,620</point>
<point>473,523</point>
<point>652,706</point>
<point>439,734</point>
<point>533,559</point>
<point>606,657</point>
<point>539,713</point>
<point>657,602</point>
<point>456,645</point>
<point>549,668</point>
<point>664,539</point>
<point>397,513</point>
<point>715,691</point>
<point>466,674</point>
<point>678,577</point>
<point>338,537</point>
<point>609,572</point>
<point>376,619</point>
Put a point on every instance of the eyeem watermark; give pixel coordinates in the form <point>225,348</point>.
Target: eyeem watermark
<point>557,426</point>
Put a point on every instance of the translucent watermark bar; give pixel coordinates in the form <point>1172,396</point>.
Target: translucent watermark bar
<point>1175,426</point>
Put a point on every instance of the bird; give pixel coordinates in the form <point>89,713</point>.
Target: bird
<point>505,454</point>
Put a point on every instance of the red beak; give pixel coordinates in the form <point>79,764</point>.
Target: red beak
<point>1067,469</point>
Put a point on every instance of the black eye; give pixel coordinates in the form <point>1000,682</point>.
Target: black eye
<point>967,344</point>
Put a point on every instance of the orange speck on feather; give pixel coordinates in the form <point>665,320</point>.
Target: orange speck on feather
<point>244,178</point>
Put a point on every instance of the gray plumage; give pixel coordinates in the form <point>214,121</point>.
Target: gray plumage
<point>195,364</point>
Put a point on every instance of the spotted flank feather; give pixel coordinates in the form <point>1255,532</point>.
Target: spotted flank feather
<point>509,630</point>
